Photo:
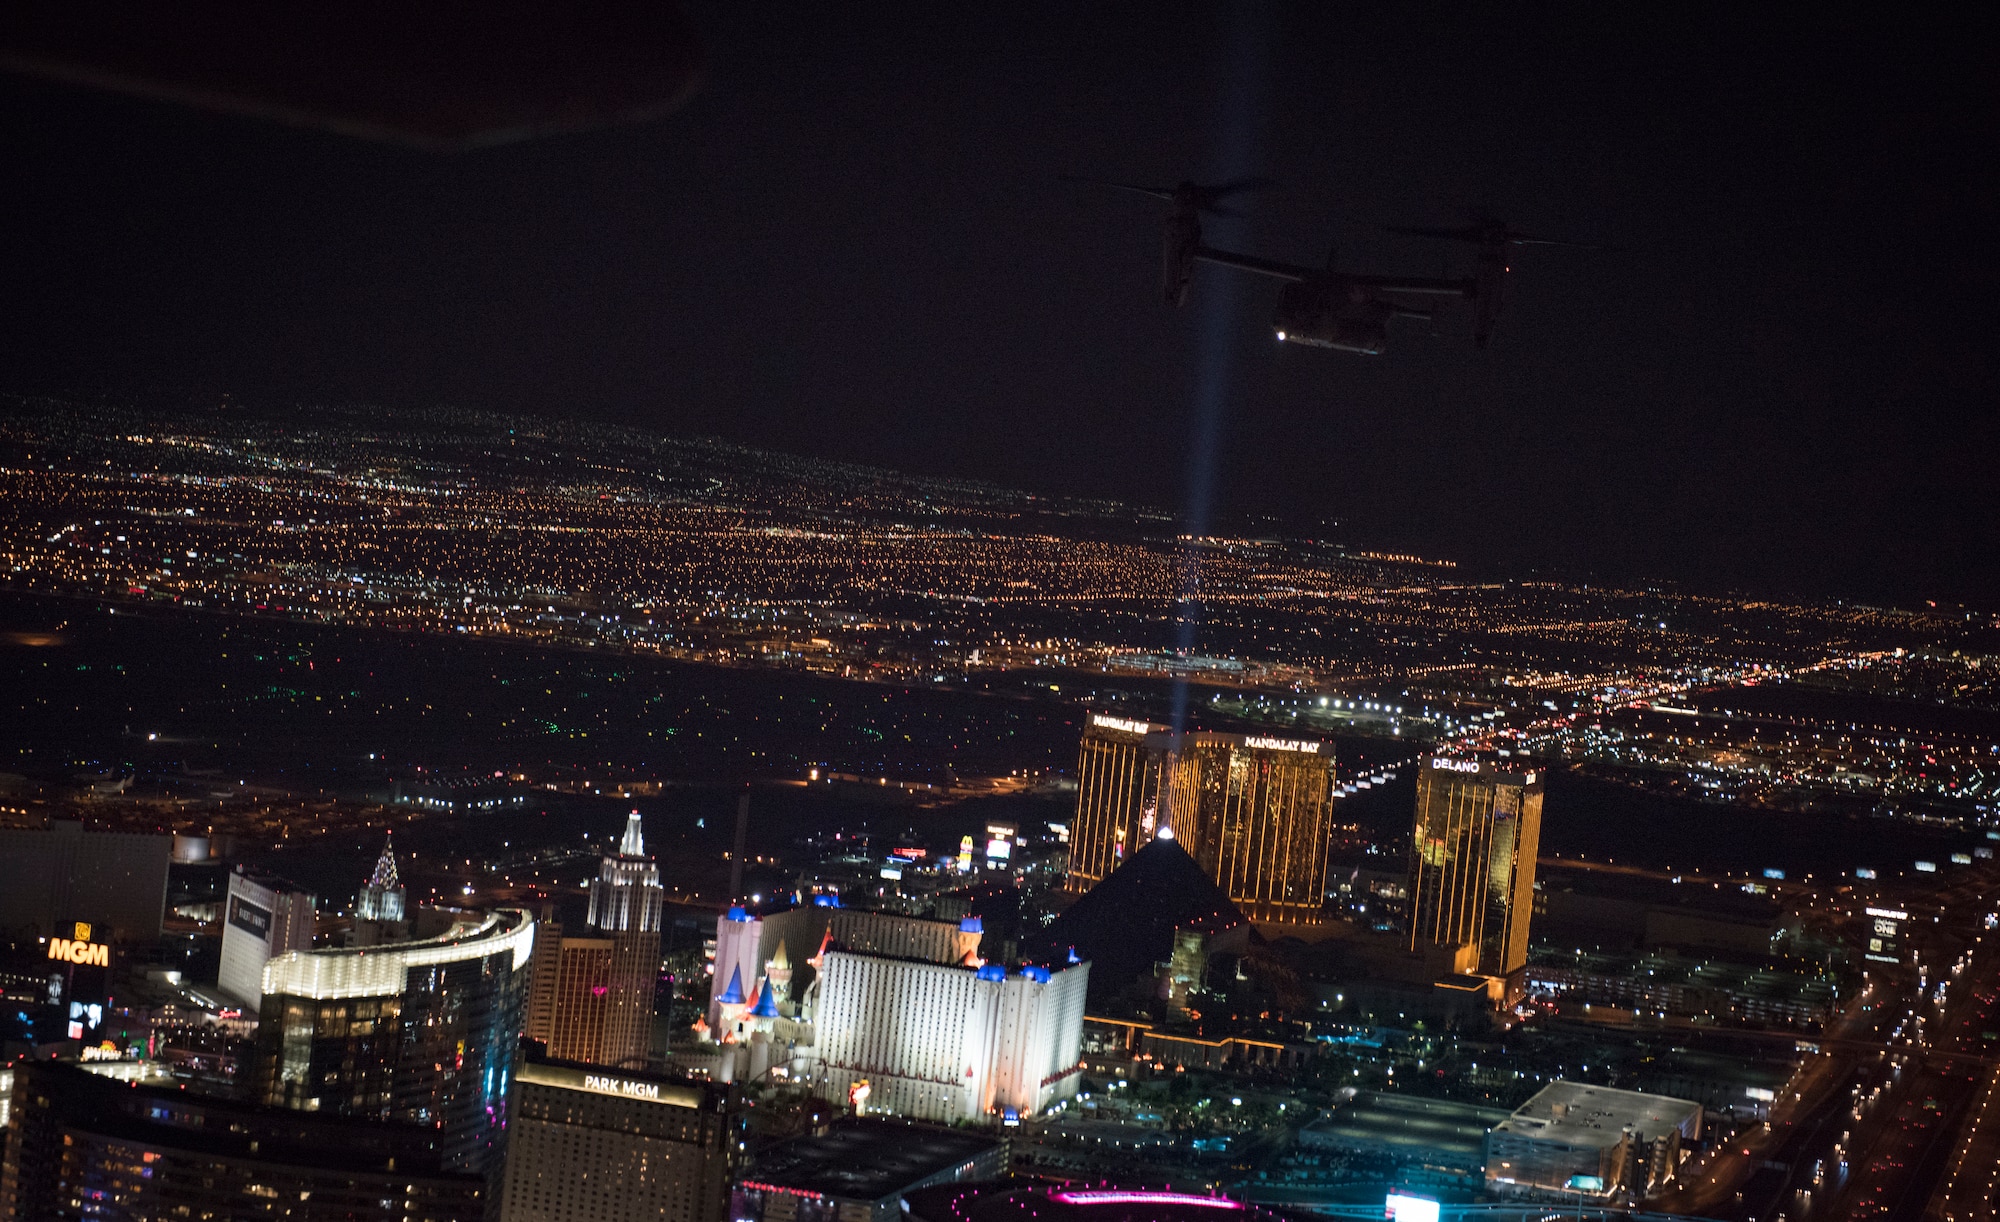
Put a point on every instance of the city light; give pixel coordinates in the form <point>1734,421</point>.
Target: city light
<point>753,656</point>
<point>1143,1198</point>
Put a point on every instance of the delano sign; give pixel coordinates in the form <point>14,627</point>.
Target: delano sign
<point>80,950</point>
<point>1452,765</point>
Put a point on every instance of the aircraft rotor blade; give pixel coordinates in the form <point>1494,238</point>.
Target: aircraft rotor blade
<point>1203,197</point>
<point>1209,197</point>
<point>1489,234</point>
<point>1235,186</point>
<point>1165,193</point>
<point>1424,231</point>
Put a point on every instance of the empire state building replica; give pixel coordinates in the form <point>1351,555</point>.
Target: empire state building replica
<point>625,902</point>
<point>591,998</point>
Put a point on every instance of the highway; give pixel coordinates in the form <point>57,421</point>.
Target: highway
<point>1971,1176</point>
<point>1898,1114</point>
<point>1908,1109</point>
<point>1903,1152</point>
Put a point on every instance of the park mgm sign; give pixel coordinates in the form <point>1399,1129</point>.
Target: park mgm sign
<point>640,1090</point>
<point>80,950</point>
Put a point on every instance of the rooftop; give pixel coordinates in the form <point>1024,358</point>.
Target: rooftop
<point>1771,981</point>
<point>1580,1115</point>
<point>1403,1124</point>
<point>867,1160</point>
<point>1709,899</point>
<point>378,971</point>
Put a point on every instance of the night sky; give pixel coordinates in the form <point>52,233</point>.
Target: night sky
<point>854,242</point>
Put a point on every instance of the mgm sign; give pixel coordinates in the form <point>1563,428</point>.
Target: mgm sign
<point>80,950</point>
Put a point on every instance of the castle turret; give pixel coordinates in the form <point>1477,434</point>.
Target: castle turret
<point>778,975</point>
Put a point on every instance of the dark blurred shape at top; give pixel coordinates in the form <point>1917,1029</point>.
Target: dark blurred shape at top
<point>441,75</point>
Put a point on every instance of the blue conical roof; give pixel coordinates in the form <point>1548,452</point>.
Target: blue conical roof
<point>733,995</point>
<point>767,1006</point>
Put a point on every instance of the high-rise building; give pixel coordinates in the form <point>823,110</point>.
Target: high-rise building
<point>1120,770</point>
<point>591,997</point>
<point>947,1043</point>
<point>89,1147</point>
<point>626,896</point>
<point>1257,813</point>
<point>751,949</point>
<point>381,897</point>
<point>263,916</point>
<point>569,995</point>
<point>1472,862</point>
<point>52,877</point>
<point>625,904</point>
<point>538,1014</point>
<point>421,1031</point>
<point>590,1145</point>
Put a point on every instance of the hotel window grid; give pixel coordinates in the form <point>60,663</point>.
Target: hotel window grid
<point>1472,863</point>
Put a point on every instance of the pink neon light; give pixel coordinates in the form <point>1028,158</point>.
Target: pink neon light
<point>1142,1198</point>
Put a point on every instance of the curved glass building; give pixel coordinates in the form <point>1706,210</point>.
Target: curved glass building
<point>423,1031</point>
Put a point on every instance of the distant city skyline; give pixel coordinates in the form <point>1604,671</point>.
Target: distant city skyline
<point>854,243</point>
<point>517,532</point>
<point>901,614</point>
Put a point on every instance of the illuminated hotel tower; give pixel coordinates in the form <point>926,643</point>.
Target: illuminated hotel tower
<point>422,1031</point>
<point>625,903</point>
<point>591,999</point>
<point>1118,772</point>
<point>1472,861</point>
<point>1255,812</point>
<point>626,896</point>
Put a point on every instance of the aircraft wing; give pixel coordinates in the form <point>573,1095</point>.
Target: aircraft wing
<point>438,74</point>
<point>1419,286</point>
<point>1250,263</point>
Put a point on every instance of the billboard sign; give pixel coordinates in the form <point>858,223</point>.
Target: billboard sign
<point>253,919</point>
<point>80,949</point>
<point>1402,1208</point>
<point>1885,927</point>
<point>1260,743</point>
